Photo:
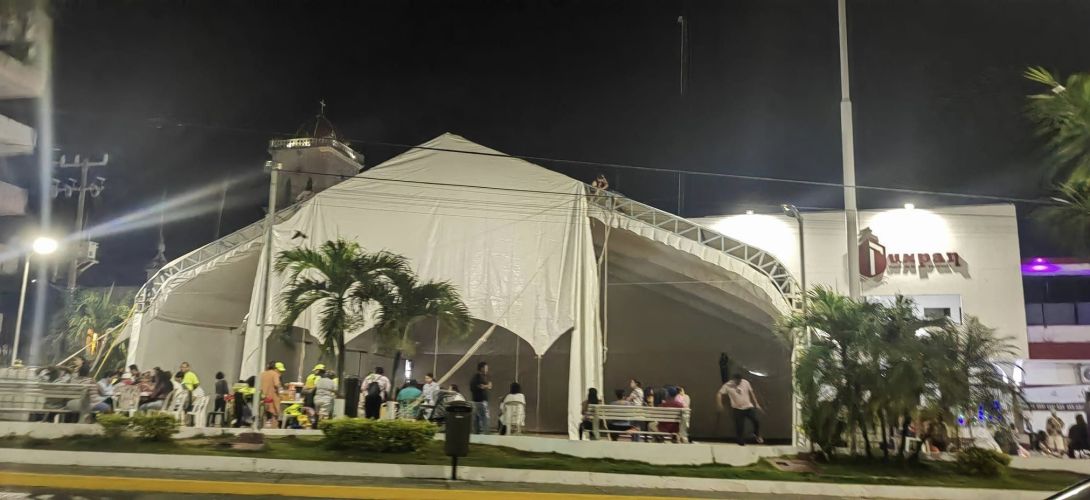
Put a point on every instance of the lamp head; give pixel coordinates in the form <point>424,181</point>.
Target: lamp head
<point>44,245</point>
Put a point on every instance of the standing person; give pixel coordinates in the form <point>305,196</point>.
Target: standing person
<point>270,391</point>
<point>743,404</point>
<point>310,383</point>
<point>325,392</point>
<point>479,387</point>
<point>635,393</point>
<point>375,388</point>
<point>1077,434</point>
<point>189,379</point>
<point>222,390</point>
<point>1054,426</point>
<point>430,390</point>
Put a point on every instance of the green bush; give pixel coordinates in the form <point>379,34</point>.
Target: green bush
<point>386,436</point>
<point>982,462</point>
<point>155,426</point>
<point>113,424</point>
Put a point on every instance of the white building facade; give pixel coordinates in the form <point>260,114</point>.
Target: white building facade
<point>953,261</point>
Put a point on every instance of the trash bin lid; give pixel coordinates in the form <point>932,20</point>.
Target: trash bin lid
<point>459,407</point>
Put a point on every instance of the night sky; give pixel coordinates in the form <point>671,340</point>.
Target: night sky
<point>184,94</point>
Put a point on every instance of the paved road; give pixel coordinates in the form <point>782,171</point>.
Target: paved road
<point>60,483</point>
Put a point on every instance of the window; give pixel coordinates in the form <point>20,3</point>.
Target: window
<point>936,312</point>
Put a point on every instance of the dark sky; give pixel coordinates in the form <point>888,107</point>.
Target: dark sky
<point>936,84</point>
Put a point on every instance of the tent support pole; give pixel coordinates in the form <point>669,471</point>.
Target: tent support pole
<point>270,219</point>
<point>516,358</point>
<point>537,404</point>
<point>435,352</point>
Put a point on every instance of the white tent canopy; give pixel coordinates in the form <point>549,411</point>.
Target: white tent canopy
<point>513,237</point>
<point>516,243</point>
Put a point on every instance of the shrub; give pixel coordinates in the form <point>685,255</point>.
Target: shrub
<point>113,424</point>
<point>982,462</point>
<point>386,436</point>
<point>155,426</point>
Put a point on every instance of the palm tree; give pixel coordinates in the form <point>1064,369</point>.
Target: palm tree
<point>902,378</point>
<point>1069,218</point>
<point>963,364</point>
<point>87,317</point>
<point>1062,116</point>
<point>407,302</point>
<point>835,372</point>
<point>341,280</point>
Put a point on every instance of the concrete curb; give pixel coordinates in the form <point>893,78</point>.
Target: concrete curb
<point>570,478</point>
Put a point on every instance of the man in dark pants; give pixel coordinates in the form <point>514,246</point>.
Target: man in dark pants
<point>743,404</point>
<point>479,387</point>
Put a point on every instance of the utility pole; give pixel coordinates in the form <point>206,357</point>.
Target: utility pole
<point>847,146</point>
<point>84,250</point>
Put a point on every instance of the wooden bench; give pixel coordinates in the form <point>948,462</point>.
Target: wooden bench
<point>623,413</point>
<point>31,396</point>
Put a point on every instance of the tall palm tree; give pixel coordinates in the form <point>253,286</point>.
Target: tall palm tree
<point>340,279</point>
<point>84,321</point>
<point>407,302</point>
<point>1062,116</point>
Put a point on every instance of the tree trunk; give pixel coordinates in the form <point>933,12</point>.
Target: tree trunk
<point>395,370</point>
<point>866,439</point>
<point>340,366</point>
<point>885,435</point>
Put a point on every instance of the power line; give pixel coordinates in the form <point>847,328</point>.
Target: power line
<point>159,123</point>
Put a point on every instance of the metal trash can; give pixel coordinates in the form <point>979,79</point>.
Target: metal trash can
<point>458,424</point>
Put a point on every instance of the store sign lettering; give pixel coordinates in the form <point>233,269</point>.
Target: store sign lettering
<point>874,260</point>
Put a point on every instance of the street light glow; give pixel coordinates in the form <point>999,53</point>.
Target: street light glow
<point>44,246</point>
<point>910,206</point>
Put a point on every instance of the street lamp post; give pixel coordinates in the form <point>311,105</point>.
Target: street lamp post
<point>41,246</point>
<point>847,146</point>
<point>793,212</point>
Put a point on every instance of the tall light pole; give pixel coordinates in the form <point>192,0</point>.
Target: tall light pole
<point>847,146</point>
<point>41,246</point>
<point>262,311</point>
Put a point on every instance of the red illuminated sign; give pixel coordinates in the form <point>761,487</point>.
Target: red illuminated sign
<point>874,261</point>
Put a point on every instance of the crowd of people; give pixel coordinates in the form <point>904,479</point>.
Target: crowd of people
<point>742,399</point>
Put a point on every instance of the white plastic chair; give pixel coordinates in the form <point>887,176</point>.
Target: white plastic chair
<point>199,412</point>
<point>127,399</point>
<point>514,416</point>
<point>175,405</point>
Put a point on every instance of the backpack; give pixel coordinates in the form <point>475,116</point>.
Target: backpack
<point>374,390</point>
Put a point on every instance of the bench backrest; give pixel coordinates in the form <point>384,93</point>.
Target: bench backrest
<point>639,413</point>
<point>36,395</point>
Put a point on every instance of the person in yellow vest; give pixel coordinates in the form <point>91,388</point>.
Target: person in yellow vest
<point>310,383</point>
<point>189,379</point>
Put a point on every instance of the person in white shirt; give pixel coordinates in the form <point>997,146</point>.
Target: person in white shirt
<point>743,404</point>
<point>514,417</point>
<point>375,387</point>
<point>430,389</point>
<point>635,393</point>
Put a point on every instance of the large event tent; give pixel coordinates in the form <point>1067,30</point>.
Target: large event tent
<point>522,245</point>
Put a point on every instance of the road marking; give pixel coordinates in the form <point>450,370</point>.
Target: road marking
<point>156,485</point>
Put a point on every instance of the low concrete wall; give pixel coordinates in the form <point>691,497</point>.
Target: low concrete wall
<point>652,453</point>
<point>571,478</point>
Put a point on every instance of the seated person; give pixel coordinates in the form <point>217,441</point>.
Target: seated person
<point>671,401</point>
<point>507,420</point>
<point>159,392</point>
<point>97,398</point>
<point>408,406</point>
<point>620,425</point>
